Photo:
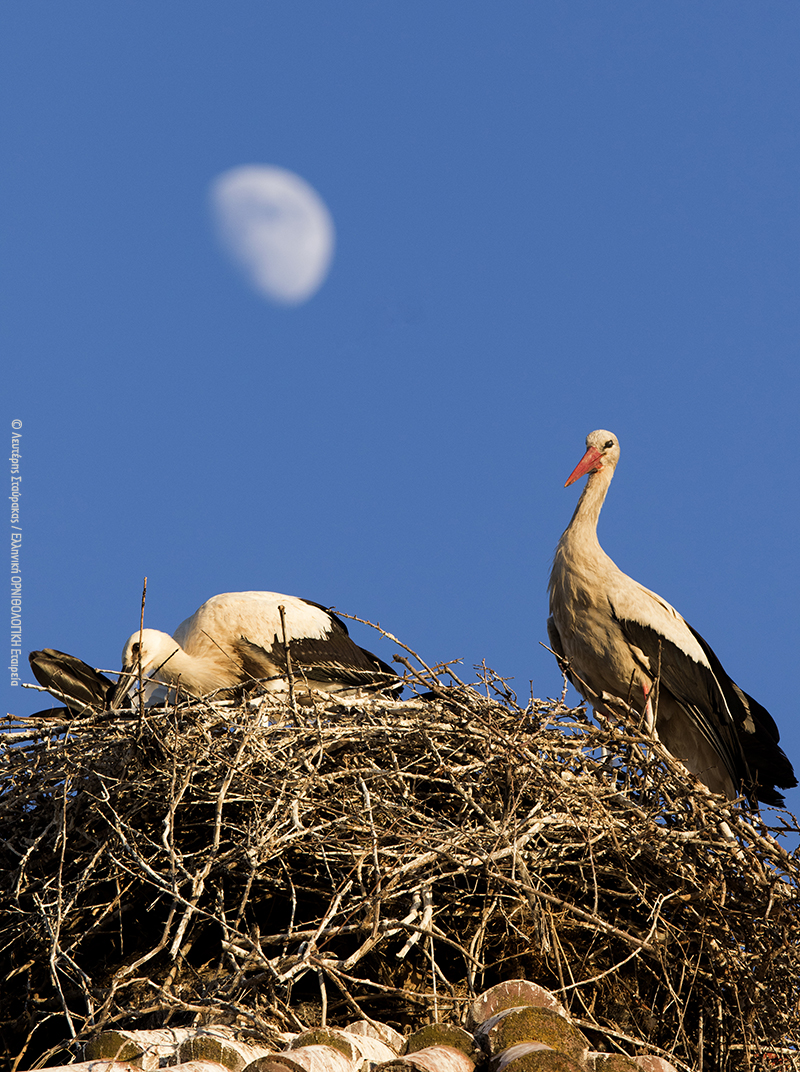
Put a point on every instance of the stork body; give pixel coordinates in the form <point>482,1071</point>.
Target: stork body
<point>618,639</point>
<point>237,639</point>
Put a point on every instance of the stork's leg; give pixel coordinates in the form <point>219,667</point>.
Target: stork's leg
<point>649,713</point>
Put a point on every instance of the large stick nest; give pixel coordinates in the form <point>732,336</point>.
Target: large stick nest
<point>249,864</point>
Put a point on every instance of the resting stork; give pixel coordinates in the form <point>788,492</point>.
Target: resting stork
<point>615,638</point>
<point>237,639</point>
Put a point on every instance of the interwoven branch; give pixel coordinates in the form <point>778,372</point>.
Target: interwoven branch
<point>250,864</point>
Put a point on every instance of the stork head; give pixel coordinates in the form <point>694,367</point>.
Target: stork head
<point>602,452</point>
<point>153,650</point>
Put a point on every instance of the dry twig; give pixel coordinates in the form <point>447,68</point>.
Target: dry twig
<point>386,860</point>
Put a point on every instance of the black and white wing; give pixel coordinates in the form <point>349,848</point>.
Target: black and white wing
<point>71,680</point>
<point>331,659</point>
<point>741,731</point>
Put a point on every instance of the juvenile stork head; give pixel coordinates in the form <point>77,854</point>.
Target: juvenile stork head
<point>154,651</point>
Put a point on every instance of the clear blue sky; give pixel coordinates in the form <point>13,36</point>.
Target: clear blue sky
<point>550,218</point>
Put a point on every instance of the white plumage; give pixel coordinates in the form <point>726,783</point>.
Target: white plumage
<point>237,639</point>
<point>616,638</point>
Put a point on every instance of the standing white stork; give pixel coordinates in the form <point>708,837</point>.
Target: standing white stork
<point>237,638</point>
<point>616,639</point>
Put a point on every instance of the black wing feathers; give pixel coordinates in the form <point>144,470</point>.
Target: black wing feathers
<point>335,619</point>
<point>739,728</point>
<point>769,764</point>
<point>71,677</point>
<point>335,658</point>
<point>697,689</point>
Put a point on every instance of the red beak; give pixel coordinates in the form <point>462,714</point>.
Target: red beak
<point>589,463</point>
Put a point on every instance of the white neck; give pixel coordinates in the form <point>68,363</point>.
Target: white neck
<point>197,676</point>
<point>583,526</point>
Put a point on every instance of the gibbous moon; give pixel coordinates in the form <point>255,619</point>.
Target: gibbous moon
<point>277,228</point>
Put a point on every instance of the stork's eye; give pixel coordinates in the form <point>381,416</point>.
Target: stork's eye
<point>608,445</point>
<point>135,649</point>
